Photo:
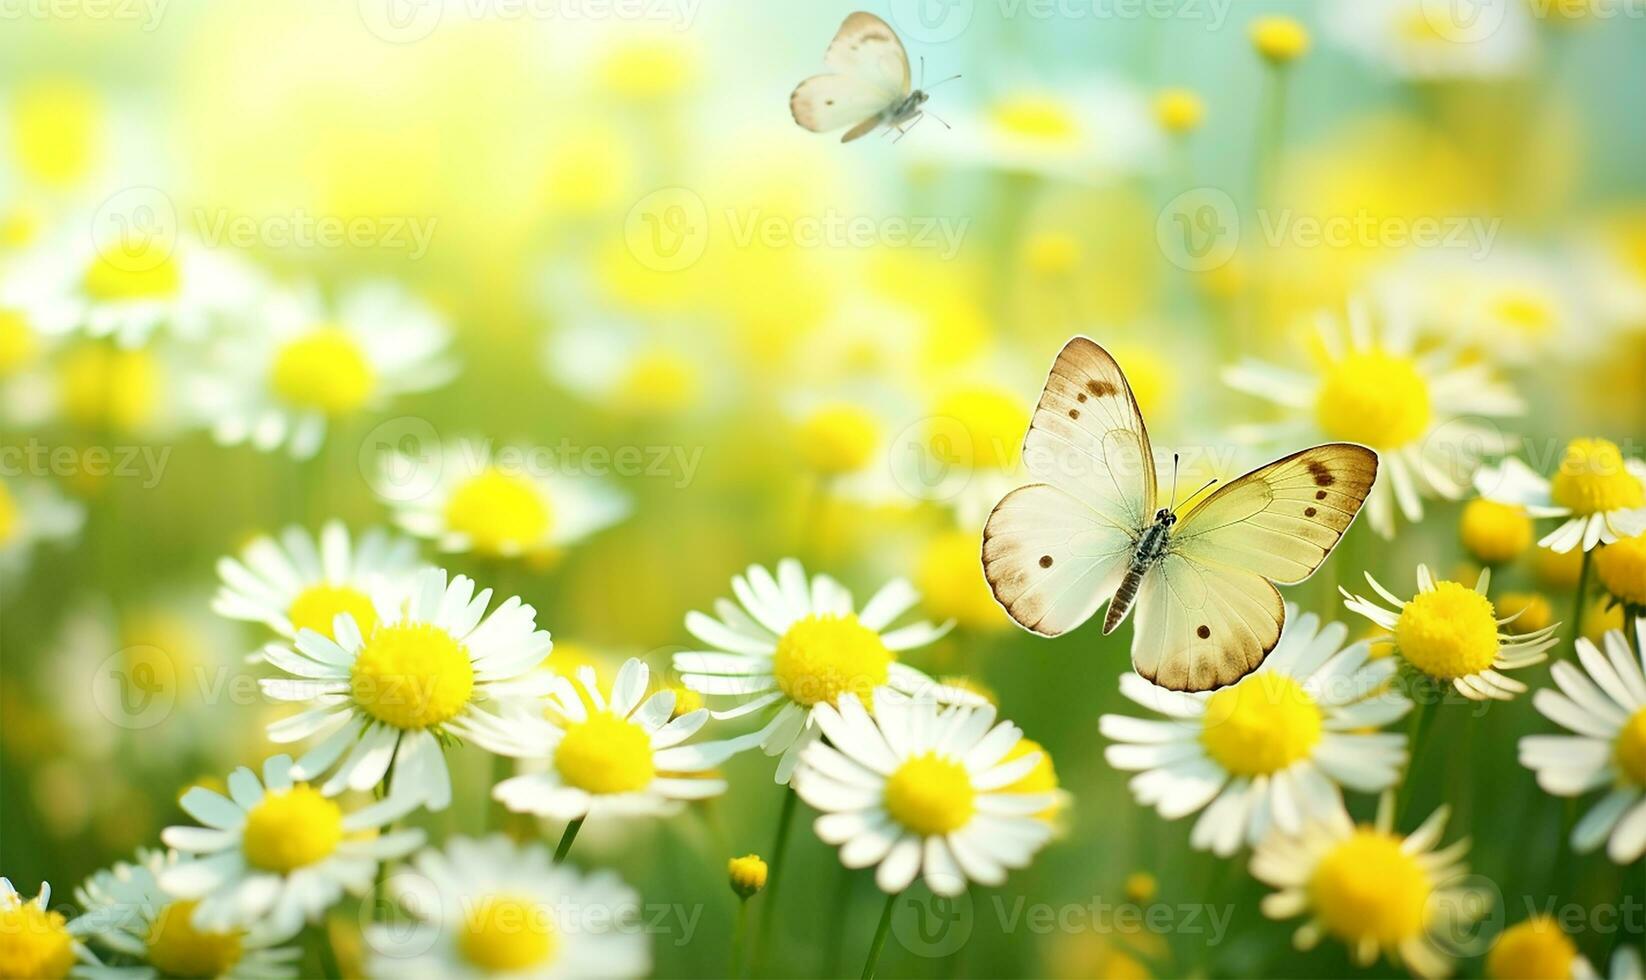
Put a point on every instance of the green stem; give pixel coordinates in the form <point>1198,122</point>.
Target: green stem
<point>1578,606</point>
<point>567,838</point>
<point>382,792</point>
<point>768,917</point>
<point>835,938</point>
<point>1423,715</point>
<point>495,814</point>
<point>880,936</point>
<point>735,968</point>
<point>325,956</point>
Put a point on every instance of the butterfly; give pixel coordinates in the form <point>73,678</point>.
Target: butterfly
<point>867,87</point>
<point>1092,529</point>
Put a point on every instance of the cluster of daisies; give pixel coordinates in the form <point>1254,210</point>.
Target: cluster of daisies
<point>385,664</point>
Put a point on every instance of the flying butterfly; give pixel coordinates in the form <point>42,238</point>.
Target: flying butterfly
<point>1092,529</point>
<point>867,85</point>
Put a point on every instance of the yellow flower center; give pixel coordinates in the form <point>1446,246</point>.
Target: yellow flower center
<point>147,271</point>
<point>1037,118</point>
<point>1592,479</point>
<point>930,795</point>
<point>17,342</point>
<point>317,606</point>
<point>56,127</point>
<point>101,387</point>
<point>1179,110</point>
<point>658,383</point>
<point>10,518</point>
<point>324,370</point>
<point>1279,39</point>
<point>838,439</point>
<point>412,676</point>
<point>1621,566</point>
<point>1368,888</point>
<point>177,949</point>
<point>605,754</point>
<point>1534,611</point>
<point>1052,253</point>
<point>992,425</point>
<point>1528,314</point>
<point>1448,633</point>
<point>1631,748</point>
<point>1261,725</point>
<point>747,874</point>
<point>1530,950</point>
<point>1495,532</point>
<point>34,942</point>
<point>952,585</point>
<point>291,829</point>
<point>1373,398</point>
<point>820,658</point>
<point>507,934</point>
<point>1041,779</point>
<point>499,512</point>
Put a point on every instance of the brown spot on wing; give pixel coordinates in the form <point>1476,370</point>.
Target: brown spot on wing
<point>1045,561</point>
<point>1323,476</point>
<point>1074,413</point>
<point>1320,495</point>
<point>1101,389</point>
<point>1309,512</point>
<point>1204,632</point>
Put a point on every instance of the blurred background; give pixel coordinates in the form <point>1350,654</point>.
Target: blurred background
<point>629,260</point>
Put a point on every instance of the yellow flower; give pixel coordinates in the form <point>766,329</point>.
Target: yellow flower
<point>747,874</point>
<point>1179,110</point>
<point>838,439</point>
<point>950,576</point>
<point>1495,533</point>
<point>1622,569</point>
<point>56,129</point>
<point>989,424</point>
<point>1141,887</point>
<point>1534,948</point>
<point>34,941</point>
<point>1279,40</point>
<point>1532,612</point>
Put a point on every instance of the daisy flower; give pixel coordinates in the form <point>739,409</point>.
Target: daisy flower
<point>274,853</point>
<point>1601,494</point>
<point>128,913</point>
<point>1621,568</point>
<point>492,906</point>
<point>1420,411</point>
<point>919,791</point>
<point>1604,706</point>
<point>625,368</point>
<point>32,512</point>
<point>612,751</point>
<point>391,696</point>
<point>300,582</point>
<point>1452,634</point>
<point>1372,889</point>
<point>129,290</point>
<point>1271,751</point>
<point>34,940</point>
<point>1427,41</point>
<point>793,645</point>
<point>1537,947</point>
<point>301,367</point>
<point>506,502</point>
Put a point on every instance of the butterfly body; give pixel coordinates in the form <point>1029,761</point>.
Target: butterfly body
<point>1151,548</point>
<point>1092,530</point>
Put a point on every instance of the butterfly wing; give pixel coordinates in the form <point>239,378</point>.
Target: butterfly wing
<point>870,74</point>
<point>1202,626</point>
<point>1283,519</point>
<point>1049,560</point>
<point>1054,551</point>
<point>1209,613</point>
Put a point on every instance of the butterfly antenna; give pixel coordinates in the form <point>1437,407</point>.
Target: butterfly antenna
<point>949,79</point>
<point>940,119</point>
<point>1198,492</point>
<point>1174,483</point>
<point>922,72</point>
